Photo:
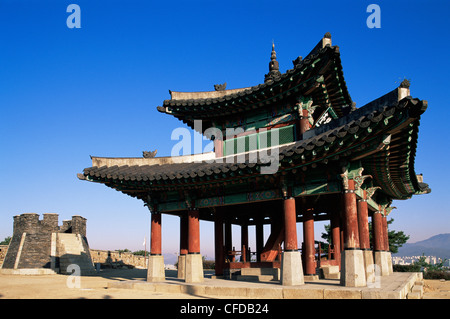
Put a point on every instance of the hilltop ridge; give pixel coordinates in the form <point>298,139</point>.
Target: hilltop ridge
<point>438,245</point>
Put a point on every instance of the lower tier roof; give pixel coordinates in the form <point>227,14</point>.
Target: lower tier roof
<point>381,135</point>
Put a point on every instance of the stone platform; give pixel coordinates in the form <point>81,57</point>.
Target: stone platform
<point>395,286</point>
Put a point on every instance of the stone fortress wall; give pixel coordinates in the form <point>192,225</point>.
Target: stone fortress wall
<point>115,259</point>
<point>38,244</point>
<point>3,249</point>
<point>35,244</point>
<point>106,258</point>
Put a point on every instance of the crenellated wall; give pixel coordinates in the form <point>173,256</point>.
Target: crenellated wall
<point>3,250</point>
<point>116,259</point>
<point>32,246</point>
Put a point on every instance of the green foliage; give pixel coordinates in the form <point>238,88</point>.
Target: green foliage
<point>141,253</point>
<point>426,266</point>
<point>6,241</point>
<point>396,239</point>
<point>137,253</point>
<point>436,271</point>
<point>208,264</point>
<point>327,234</point>
<point>123,250</point>
<point>406,268</point>
<point>437,274</point>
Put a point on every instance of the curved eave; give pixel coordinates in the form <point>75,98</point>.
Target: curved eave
<point>394,169</point>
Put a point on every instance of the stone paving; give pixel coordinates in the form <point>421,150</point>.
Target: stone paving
<point>394,286</point>
<point>128,284</point>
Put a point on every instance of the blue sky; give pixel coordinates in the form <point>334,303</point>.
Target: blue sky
<point>66,93</point>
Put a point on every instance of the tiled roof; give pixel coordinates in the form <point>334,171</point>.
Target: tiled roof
<point>349,137</point>
<point>319,76</point>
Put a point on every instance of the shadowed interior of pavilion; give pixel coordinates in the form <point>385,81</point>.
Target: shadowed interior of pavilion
<point>268,249</point>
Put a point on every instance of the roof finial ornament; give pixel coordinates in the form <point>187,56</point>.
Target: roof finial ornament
<point>274,70</point>
<point>405,83</point>
<point>220,87</point>
<point>149,154</point>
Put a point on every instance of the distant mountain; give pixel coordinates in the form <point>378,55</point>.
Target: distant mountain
<point>438,246</point>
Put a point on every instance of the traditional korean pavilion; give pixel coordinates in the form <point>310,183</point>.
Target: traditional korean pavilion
<point>291,150</point>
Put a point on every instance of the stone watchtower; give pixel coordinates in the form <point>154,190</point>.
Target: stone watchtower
<point>41,246</point>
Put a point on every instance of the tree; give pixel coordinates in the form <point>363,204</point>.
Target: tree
<point>327,234</point>
<point>126,250</point>
<point>422,262</point>
<point>396,238</point>
<point>6,241</point>
<point>141,253</point>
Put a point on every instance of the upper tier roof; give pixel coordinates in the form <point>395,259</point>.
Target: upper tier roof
<point>319,76</point>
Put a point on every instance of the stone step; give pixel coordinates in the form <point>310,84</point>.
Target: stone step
<point>71,251</point>
<point>330,269</point>
<point>256,278</point>
<point>416,291</point>
<point>333,276</point>
<point>260,271</point>
<point>418,288</point>
<point>330,272</point>
<point>414,295</point>
<point>75,262</point>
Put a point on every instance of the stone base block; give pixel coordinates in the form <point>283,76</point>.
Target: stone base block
<point>352,268</point>
<point>331,272</point>
<point>389,261</point>
<point>29,271</point>
<point>369,267</point>
<point>291,269</point>
<point>194,268</point>
<point>308,278</point>
<point>384,262</point>
<point>155,270</point>
<point>181,274</point>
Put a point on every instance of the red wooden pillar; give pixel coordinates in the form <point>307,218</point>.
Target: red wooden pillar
<point>336,235</point>
<point>385,233</point>
<point>184,235</point>
<point>219,253</point>
<point>353,272</point>
<point>244,242</point>
<point>155,245</point>
<point>259,237</point>
<point>228,238</point>
<point>377,228</point>
<point>351,233</point>
<point>341,223</point>
<point>194,231</point>
<point>290,225</point>
<point>363,223</point>
<point>308,240</point>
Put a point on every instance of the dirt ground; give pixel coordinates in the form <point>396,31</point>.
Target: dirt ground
<point>436,289</point>
<point>88,287</point>
<point>95,287</point>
